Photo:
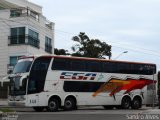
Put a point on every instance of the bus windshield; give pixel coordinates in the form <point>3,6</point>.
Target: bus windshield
<point>23,66</point>
<point>16,88</point>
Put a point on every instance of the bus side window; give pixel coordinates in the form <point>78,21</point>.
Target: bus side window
<point>93,66</point>
<point>149,69</point>
<point>110,67</point>
<point>77,65</point>
<point>136,68</point>
<point>124,68</point>
<point>60,64</point>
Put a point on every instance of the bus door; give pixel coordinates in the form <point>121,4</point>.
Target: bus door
<point>37,79</point>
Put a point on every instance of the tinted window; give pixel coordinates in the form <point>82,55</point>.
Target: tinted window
<point>110,67</point>
<point>38,75</point>
<point>77,65</point>
<point>22,67</point>
<point>60,64</point>
<point>93,66</point>
<point>81,86</point>
<point>144,69</point>
<point>99,66</point>
<point>124,68</point>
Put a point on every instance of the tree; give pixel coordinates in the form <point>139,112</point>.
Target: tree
<point>93,48</point>
<point>60,52</point>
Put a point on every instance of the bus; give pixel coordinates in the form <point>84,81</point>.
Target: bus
<point>62,82</point>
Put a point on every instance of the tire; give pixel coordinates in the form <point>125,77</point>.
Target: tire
<point>136,103</point>
<point>69,104</point>
<point>38,109</point>
<point>126,102</point>
<point>107,107</point>
<point>53,105</point>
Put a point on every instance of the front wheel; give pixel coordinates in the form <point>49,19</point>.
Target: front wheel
<point>53,105</point>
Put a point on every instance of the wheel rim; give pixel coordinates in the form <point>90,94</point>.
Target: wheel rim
<point>136,104</point>
<point>68,104</point>
<point>126,103</point>
<point>52,105</point>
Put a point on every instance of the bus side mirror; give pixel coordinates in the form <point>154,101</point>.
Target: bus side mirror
<point>23,78</point>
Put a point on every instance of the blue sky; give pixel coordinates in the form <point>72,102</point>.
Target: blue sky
<point>128,25</point>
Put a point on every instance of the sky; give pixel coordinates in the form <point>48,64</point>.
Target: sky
<point>127,25</point>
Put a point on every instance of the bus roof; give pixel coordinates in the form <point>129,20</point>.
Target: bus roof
<point>84,58</point>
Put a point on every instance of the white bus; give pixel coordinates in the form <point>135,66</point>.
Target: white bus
<point>60,82</point>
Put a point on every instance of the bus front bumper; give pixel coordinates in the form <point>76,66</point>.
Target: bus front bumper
<point>16,103</point>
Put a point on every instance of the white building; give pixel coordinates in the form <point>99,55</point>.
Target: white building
<point>23,31</point>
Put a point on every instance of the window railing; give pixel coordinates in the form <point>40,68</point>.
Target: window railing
<point>23,39</point>
<point>16,39</point>
<point>48,48</point>
<point>33,41</point>
<point>23,13</point>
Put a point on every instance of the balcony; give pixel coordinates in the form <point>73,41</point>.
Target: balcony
<point>49,24</point>
<point>23,13</point>
<point>48,48</point>
<point>23,40</point>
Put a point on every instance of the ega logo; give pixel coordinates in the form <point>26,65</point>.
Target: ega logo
<point>77,76</point>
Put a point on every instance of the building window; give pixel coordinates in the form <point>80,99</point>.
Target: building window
<point>48,44</point>
<point>13,60</point>
<point>33,38</point>
<point>17,35</point>
<point>15,13</point>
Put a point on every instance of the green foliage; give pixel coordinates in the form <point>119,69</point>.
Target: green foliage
<point>87,47</point>
<point>6,110</point>
<point>93,48</point>
<point>60,52</point>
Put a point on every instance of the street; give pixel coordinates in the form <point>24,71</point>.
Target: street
<point>90,113</point>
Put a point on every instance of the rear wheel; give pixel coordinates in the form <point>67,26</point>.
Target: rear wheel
<point>38,109</point>
<point>69,104</point>
<point>126,102</point>
<point>136,103</point>
<point>53,105</point>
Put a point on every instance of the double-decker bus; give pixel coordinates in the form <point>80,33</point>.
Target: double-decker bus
<point>60,82</point>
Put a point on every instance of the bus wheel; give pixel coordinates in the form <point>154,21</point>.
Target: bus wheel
<point>107,107</point>
<point>136,103</point>
<point>69,104</point>
<point>53,105</point>
<point>38,109</point>
<point>126,102</point>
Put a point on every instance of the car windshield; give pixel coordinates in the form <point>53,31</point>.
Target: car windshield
<point>22,66</point>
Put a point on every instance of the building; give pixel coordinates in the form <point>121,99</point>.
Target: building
<point>23,31</point>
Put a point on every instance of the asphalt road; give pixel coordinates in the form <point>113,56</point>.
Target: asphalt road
<point>89,113</point>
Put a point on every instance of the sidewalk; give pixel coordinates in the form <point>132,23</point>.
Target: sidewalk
<point>155,110</point>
